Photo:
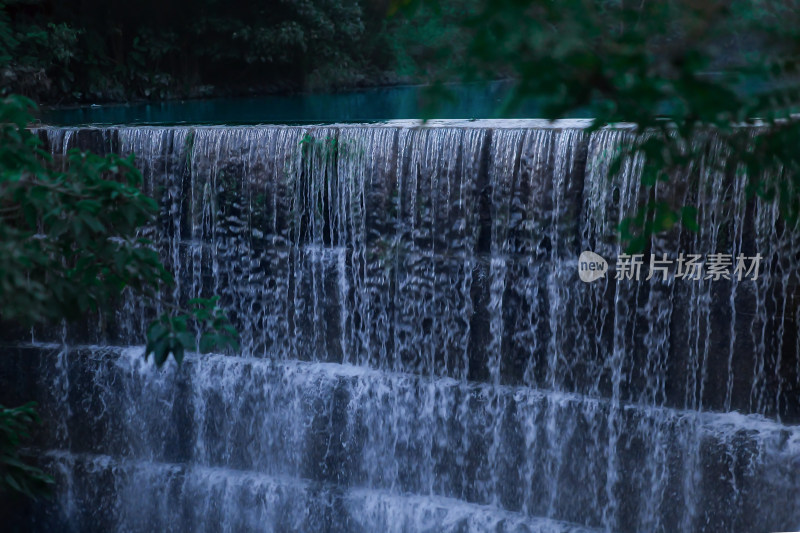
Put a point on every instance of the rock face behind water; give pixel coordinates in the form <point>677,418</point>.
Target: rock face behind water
<point>419,352</point>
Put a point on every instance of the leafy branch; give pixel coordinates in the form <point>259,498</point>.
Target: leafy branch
<point>70,245</point>
<point>15,473</point>
<point>171,333</point>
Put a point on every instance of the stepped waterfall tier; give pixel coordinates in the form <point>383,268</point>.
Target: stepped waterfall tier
<point>418,351</point>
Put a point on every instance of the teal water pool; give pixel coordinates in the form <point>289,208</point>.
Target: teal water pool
<point>467,101</point>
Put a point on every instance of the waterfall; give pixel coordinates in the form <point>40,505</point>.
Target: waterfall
<point>418,352</point>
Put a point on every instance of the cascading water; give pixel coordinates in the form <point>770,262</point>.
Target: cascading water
<point>418,351</point>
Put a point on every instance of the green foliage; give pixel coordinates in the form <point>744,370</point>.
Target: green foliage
<point>15,473</point>
<point>325,149</point>
<point>675,69</point>
<point>171,334</point>
<point>155,50</point>
<point>329,149</point>
<point>69,246</point>
<point>427,38</point>
<point>69,241</point>
<point>68,232</point>
<point>148,49</point>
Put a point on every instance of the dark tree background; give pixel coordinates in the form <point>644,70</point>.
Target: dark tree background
<point>93,50</point>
